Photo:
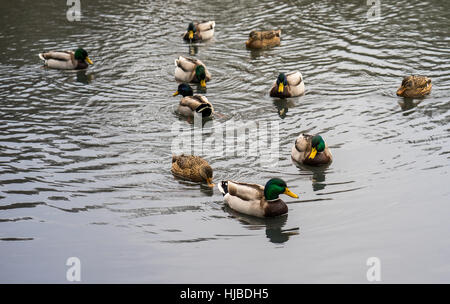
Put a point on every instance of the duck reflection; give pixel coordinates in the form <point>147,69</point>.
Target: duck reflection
<point>318,175</point>
<point>207,191</point>
<point>193,49</point>
<point>273,226</point>
<point>83,77</point>
<point>282,106</point>
<point>408,103</point>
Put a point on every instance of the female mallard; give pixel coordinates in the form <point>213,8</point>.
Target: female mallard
<point>191,103</point>
<point>263,39</point>
<point>191,70</point>
<point>311,150</point>
<point>66,60</point>
<point>199,31</point>
<point>414,86</point>
<point>288,85</point>
<point>256,200</point>
<point>193,168</point>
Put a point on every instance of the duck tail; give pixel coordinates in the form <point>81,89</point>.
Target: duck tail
<point>41,56</point>
<point>223,187</point>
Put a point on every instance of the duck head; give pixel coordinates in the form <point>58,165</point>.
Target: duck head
<point>191,30</point>
<point>206,173</point>
<point>184,90</point>
<point>274,187</point>
<point>200,73</point>
<point>82,55</point>
<point>317,145</point>
<point>281,82</point>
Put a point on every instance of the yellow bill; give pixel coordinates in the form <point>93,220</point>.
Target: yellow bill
<point>203,83</point>
<point>210,183</point>
<point>191,34</point>
<point>401,90</point>
<point>313,153</point>
<point>290,193</point>
<point>280,87</point>
<point>176,93</point>
<point>89,60</point>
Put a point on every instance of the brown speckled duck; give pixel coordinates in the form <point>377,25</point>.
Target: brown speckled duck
<point>414,86</point>
<point>192,168</point>
<point>263,39</point>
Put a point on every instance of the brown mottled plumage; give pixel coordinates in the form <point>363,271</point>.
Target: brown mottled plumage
<point>414,86</point>
<point>193,168</point>
<point>263,39</point>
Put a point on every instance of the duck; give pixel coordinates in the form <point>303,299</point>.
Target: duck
<point>191,104</point>
<point>192,168</point>
<point>191,70</point>
<point>288,85</point>
<point>254,199</point>
<point>414,86</point>
<point>198,31</point>
<point>311,150</point>
<point>263,39</point>
<point>66,60</point>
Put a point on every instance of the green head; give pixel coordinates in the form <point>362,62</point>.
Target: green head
<point>281,82</point>
<point>317,145</point>
<point>81,54</point>
<point>274,187</point>
<point>191,30</point>
<point>184,90</point>
<point>200,73</point>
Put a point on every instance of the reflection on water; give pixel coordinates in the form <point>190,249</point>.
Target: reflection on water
<point>274,226</point>
<point>407,104</point>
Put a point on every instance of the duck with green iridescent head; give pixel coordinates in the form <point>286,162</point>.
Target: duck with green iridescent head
<point>191,70</point>
<point>311,150</point>
<point>191,104</point>
<point>66,60</point>
<point>198,31</point>
<point>254,199</point>
<point>288,85</point>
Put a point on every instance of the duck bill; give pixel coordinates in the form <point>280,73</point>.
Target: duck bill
<point>290,193</point>
<point>176,93</point>
<point>313,153</point>
<point>203,83</point>
<point>191,35</point>
<point>210,183</point>
<point>400,91</point>
<point>89,60</point>
<point>280,88</point>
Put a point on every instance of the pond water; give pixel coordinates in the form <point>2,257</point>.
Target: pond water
<point>85,156</point>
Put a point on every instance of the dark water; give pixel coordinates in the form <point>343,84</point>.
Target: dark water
<point>85,157</point>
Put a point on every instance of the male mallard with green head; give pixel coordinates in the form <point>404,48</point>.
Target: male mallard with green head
<point>263,39</point>
<point>66,60</point>
<point>192,168</point>
<point>191,70</point>
<point>288,85</point>
<point>197,31</point>
<point>311,150</point>
<point>256,200</point>
<point>191,103</point>
<point>414,86</point>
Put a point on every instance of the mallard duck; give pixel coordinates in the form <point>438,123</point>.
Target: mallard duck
<point>263,39</point>
<point>311,150</point>
<point>66,60</point>
<point>414,86</point>
<point>192,168</point>
<point>256,200</point>
<point>197,31</point>
<point>288,85</point>
<point>191,103</point>
<point>191,70</point>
